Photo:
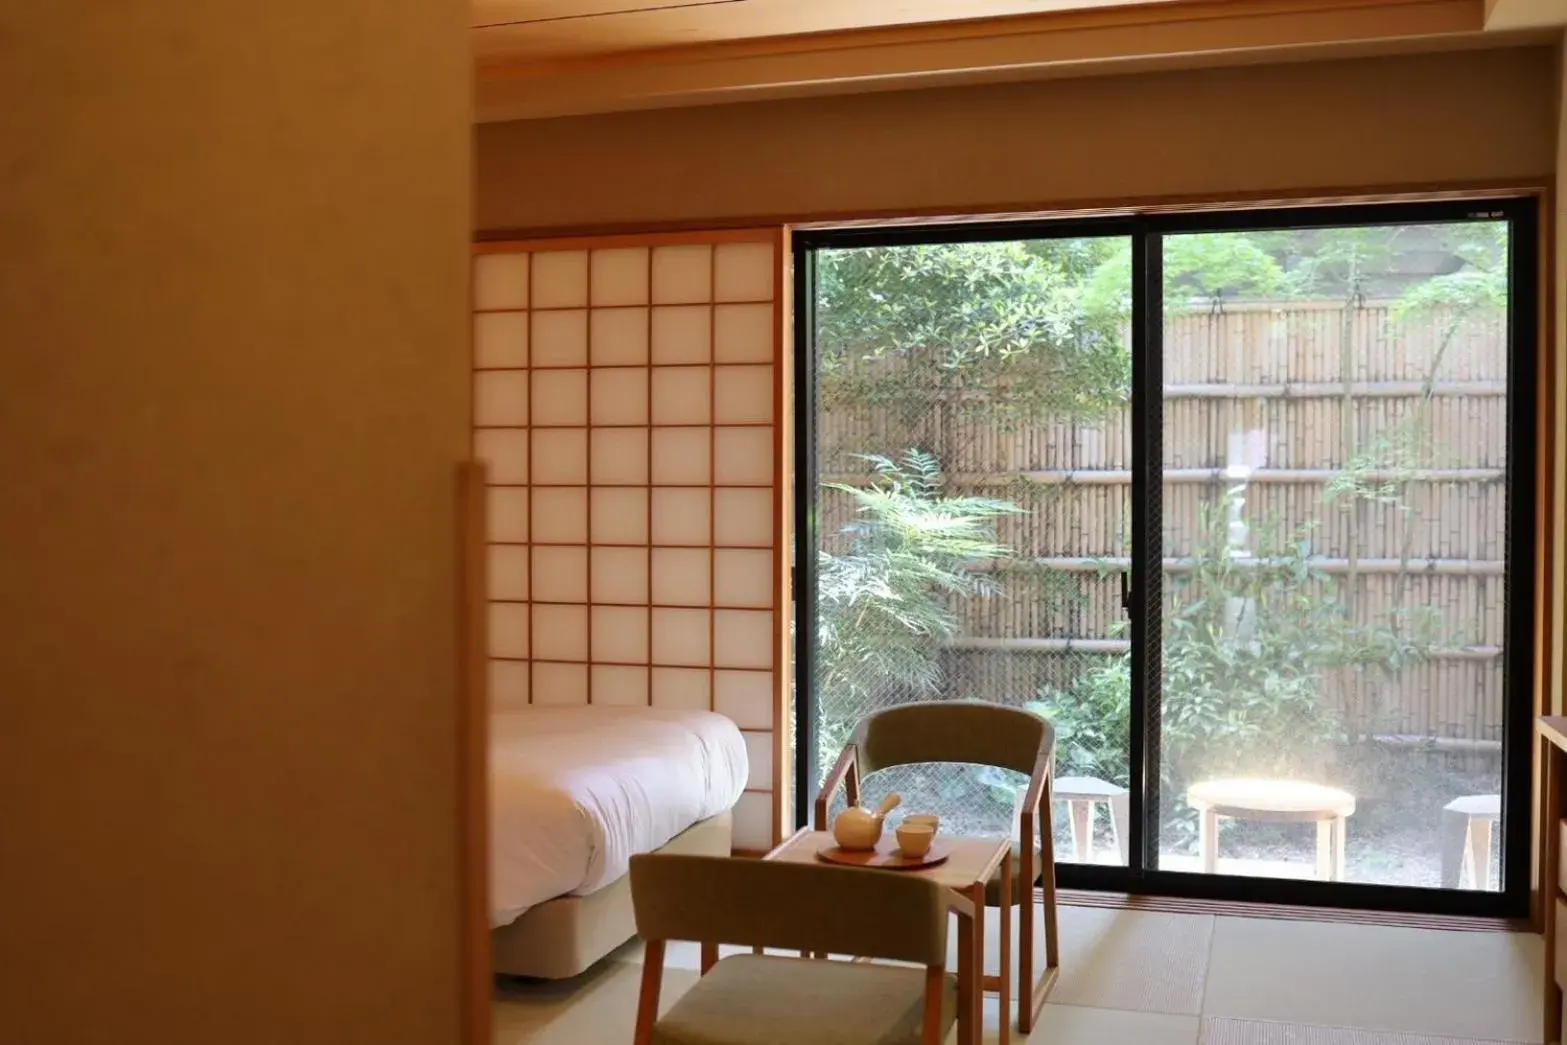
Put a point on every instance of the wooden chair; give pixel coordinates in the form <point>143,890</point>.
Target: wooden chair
<point>984,734</point>
<point>757,999</point>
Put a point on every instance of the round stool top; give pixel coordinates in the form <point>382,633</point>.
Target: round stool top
<point>1085,787</point>
<point>1488,807</point>
<point>1275,800</point>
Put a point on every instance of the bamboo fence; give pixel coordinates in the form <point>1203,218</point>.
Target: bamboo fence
<point>1285,373</point>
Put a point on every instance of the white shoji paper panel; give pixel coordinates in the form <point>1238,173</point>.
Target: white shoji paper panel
<point>619,516</point>
<point>508,684</point>
<point>743,518</point>
<point>505,451</point>
<point>500,397</point>
<point>559,339</point>
<point>682,273</point>
<point>560,278</point>
<point>559,633</point>
<point>682,576</point>
<point>620,576</point>
<point>682,637</point>
<point>508,515</point>
<point>743,395</point>
<point>559,575</point>
<point>690,689</point>
<point>745,697</point>
<point>560,456</point>
<point>682,334</point>
<point>500,340</point>
<point>682,395</point>
<point>618,337</point>
<point>500,281</point>
<point>619,456</point>
<point>509,572</point>
<point>620,634</point>
<point>508,630</point>
<point>683,456</point>
<point>619,396</point>
<point>744,333</point>
<point>753,821</point>
<point>682,517</point>
<point>560,514</point>
<point>743,272</point>
<point>759,753</point>
<point>743,456</point>
<point>560,398</point>
<point>742,638</point>
<point>743,577</point>
<point>561,684</point>
<point>620,686</point>
<point>618,277</point>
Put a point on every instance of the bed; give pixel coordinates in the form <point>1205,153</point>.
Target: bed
<point>574,794</point>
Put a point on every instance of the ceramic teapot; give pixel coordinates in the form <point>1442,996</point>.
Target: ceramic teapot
<point>859,828</point>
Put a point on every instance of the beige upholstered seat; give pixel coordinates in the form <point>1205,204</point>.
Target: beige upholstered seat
<point>973,732</point>
<point>766,1000</point>
<point>762,1000</point>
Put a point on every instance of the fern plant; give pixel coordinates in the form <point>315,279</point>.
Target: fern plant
<point>886,605</point>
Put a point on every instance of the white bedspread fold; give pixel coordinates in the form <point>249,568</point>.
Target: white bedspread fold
<point>576,792</point>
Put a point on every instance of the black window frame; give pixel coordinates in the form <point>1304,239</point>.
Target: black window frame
<point>1146,232</point>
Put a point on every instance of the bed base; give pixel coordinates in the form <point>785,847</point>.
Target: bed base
<point>560,938</point>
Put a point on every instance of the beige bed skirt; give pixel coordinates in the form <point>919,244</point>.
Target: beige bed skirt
<point>562,937</point>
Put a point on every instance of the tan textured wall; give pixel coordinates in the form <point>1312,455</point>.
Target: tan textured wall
<point>233,276</point>
<point>1555,702</point>
<point>1411,119</point>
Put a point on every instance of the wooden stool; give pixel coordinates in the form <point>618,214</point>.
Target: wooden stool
<point>1277,802</point>
<point>1467,825</point>
<point>1081,793</point>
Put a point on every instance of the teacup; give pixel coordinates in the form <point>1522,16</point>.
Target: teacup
<point>930,820</point>
<point>914,840</point>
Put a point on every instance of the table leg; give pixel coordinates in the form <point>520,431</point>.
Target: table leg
<point>1325,850</point>
<point>1340,848</point>
<point>976,1007</point>
<point>1208,841</point>
<point>1480,853</point>
<point>1082,816</point>
<point>1455,835</point>
<point>1120,817</point>
<point>709,957</point>
<point>1005,970</point>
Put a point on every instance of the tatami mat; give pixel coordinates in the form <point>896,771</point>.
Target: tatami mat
<point>599,1006</point>
<point>1154,978</point>
<point>1133,960</point>
<point>1482,986</point>
<point>1222,1031</point>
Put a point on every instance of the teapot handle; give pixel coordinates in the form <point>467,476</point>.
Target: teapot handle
<point>888,804</point>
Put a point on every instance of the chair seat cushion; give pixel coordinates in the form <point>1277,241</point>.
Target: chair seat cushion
<point>751,999</point>
<point>993,887</point>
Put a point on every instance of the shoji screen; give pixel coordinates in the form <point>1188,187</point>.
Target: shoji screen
<point>629,398</point>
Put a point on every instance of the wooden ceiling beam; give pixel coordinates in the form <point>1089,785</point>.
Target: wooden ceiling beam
<point>1079,42</point>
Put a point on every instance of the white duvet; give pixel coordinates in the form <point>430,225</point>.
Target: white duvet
<point>576,792</point>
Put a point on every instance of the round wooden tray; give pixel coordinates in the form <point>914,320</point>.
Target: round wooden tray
<point>886,856</point>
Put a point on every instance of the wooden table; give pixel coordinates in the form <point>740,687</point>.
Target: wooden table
<point>971,864</point>
<point>1551,750</point>
<point>1277,802</point>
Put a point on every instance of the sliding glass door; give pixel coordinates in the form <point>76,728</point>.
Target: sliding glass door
<point>1234,500</point>
<point>971,435</point>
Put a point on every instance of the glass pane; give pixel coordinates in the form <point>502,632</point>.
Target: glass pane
<point>974,452</point>
<point>1334,519</point>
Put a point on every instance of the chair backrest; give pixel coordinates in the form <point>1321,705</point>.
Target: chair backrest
<point>953,731</point>
<point>806,907</point>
